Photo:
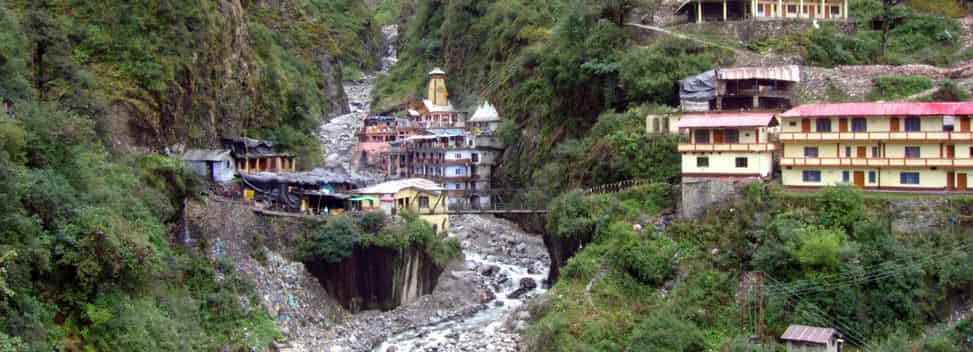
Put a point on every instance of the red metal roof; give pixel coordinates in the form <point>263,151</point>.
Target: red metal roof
<point>811,334</point>
<point>881,109</point>
<point>790,73</point>
<point>740,119</point>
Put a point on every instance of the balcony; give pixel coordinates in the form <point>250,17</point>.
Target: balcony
<point>879,163</point>
<point>737,147</point>
<point>763,91</point>
<point>876,136</point>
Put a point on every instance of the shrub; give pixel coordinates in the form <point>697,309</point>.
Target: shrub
<point>333,242</point>
<point>898,87</point>
<point>841,206</point>
<point>647,262</point>
<point>373,222</point>
<point>570,215</point>
<point>665,332</point>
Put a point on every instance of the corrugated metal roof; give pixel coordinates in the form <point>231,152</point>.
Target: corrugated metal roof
<point>393,187</point>
<point>206,155</point>
<point>743,119</point>
<point>881,109</point>
<point>790,73</point>
<point>811,334</point>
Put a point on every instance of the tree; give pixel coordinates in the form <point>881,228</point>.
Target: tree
<point>665,332</point>
<point>333,242</point>
<point>888,18</point>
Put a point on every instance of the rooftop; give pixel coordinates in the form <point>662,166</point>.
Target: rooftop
<point>735,119</point>
<point>437,71</point>
<point>881,109</point>
<point>437,108</point>
<point>206,155</point>
<point>790,73</point>
<point>485,113</point>
<point>314,177</point>
<point>392,187</point>
<point>810,334</point>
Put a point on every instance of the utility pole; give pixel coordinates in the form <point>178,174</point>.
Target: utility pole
<point>760,309</point>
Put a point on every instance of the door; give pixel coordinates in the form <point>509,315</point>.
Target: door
<point>814,12</point>
<point>860,179</point>
<point>961,182</point>
<point>806,125</point>
<point>894,125</point>
<point>843,125</point>
<point>718,137</point>
<point>951,180</point>
<point>964,124</point>
<point>861,152</point>
<point>950,151</point>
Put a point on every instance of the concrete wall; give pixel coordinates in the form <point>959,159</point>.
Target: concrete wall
<point>700,193</point>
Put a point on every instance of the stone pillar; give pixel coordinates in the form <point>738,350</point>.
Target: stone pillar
<point>699,11</point>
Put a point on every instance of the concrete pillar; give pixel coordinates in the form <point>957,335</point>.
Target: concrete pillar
<point>824,11</point>
<point>844,10</point>
<point>724,10</point>
<point>780,9</point>
<point>800,8</point>
<point>699,11</point>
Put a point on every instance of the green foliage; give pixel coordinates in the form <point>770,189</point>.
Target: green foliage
<point>650,262</point>
<point>414,232</point>
<point>333,242</point>
<point>373,222</point>
<point>890,88</point>
<point>648,73</point>
<point>949,8</point>
<point>668,333</point>
<point>570,216</point>
<point>11,343</point>
<point>951,91</point>
<point>841,206</point>
<point>819,248</point>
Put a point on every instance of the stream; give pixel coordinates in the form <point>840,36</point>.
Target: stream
<point>503,266</point>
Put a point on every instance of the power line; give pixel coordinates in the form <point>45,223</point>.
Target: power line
<point>853,336</point>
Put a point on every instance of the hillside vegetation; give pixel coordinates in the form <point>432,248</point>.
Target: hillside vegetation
<point>88,260</point>
<point>831,259</point>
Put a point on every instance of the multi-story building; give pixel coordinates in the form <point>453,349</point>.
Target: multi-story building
<point>878,146</point>
<point>374,138</point>
<point>727,145</point>
<point>700,11</point>
<point>447,156</point>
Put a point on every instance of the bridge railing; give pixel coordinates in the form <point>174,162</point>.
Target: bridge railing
<point>615,187</point>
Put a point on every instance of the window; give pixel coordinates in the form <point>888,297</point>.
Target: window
<point>702,161</point>
<point>702,136</point>
<point>912,124</point>
<point>835,10</point>
<point>949,123</point>
<point>812,176</point>
<point>732,136</point>
<point>423,202</point>
<point>475,157</point>
<point>912,152</point>
<point>846,176</point>
<point>848,152</point>
<point>655,126</point>
<point>792,124</point>
<point>791,8</point>
<point>810,152</point>
<point>871,177</point>
<point>909,178</point>
<point>859,124</point>
<point>458,155</point>
<point>805,9</point>
<point>876,153</point>
<point>823,125</point>
<point>459,171</point>
<point>741,163</point>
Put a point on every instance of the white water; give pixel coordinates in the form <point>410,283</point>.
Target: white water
<point>484,323</point>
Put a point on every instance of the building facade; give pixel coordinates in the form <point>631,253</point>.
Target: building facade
<point>878,146</point>
<point>436,111</point>
<point>700,11</point>
<point>728,145</point>
<point>740,89</point>
<point>423,197</point>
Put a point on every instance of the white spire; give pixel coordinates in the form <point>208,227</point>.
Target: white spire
<point>485,113</point>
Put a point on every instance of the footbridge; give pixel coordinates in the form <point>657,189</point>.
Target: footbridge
<point>516,205</point>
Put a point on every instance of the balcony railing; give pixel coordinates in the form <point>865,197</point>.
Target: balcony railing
<point>739,147</point>
<point>884,162</point>
<point>877,136</point>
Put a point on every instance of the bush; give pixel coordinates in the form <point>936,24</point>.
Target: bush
<point>841,207</point>
<point>333,242</point>
<point>648,262</point>
<point>570,216</point>
<point>373,222</point>
<point>898,87</point>
<point>665,332</point>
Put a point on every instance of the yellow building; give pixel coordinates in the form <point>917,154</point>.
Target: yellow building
<point>662,123</point>
<point>878,146</point>
<point>421,196</point>
<point>734,145</point>
<point>729,10</point>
